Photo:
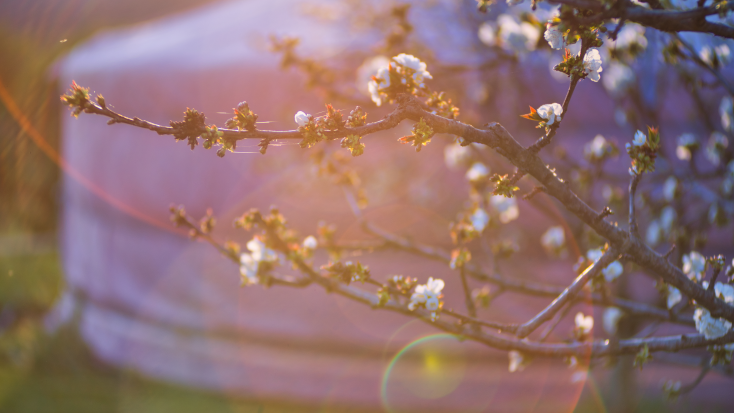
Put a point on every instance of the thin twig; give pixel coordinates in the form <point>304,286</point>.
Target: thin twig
<point>633,229</point>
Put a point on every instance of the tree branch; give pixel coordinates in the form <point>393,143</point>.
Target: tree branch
<point>567,295</point>
<point>497,137</point>
<point>693,20</point>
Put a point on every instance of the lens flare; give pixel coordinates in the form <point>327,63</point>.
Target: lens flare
<point>429,368</point>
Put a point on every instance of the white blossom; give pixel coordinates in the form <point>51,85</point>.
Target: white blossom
<point>507,208</point>
<point>415,64</point>
<point>550,112</point>
<point>553,239</point>
<point>725,292</point>
<point>686,141</point>
<point>517,361</point>
<point>380,82</point>
<point>584,324</point>
<point>639,139</point>
<point>724,53</point>
<point>718,142</point>
<point>667,219</point>
<point>611,319</point>
<point>369,68</point>
<point>574,49</point>
<point>302,118</point>
<point>617,78</point>
<point>592,64</point>
<point>478,171</point>
<point>594,255</point>
<point>487,34</point>
<point>427,294</point>
<point>629,35</point>
<point>519,37</point>
<point>597,148</point>
<point>553,36</point>
<point>479,219</point>
<point>514,2</point>
<point>612,271</point>
<point>726,112</point>
<point>310,243</point>
<point>654,233</point>
<point>249,263</point>
<point>455,155</point>
<point>669,188</point>
<point>710,327</point>
<point>694,265</point>
<point>721,52</point>
<point>248,269</point>
<point>260,252</point>
<point>674,296</point>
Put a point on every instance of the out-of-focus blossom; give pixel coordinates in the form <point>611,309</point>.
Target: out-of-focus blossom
<point>477,172</point>
<point>654,233</point>
<point>517,361</point>
<point>717,144</point>
<point>487,34</point>
<point>727,185</point>
<point>631,35</point>
<point>479,219</point>
<point>250,263</point>
<point>592,64</point>
<point>694,265</point>
<point>717,56</point>
<point>456,156</point>
<point>725,292</point>
<point>612,271</point>
<point>553,36</point>
<point>584,324</point>
<point>686,144</point>
<point>709,326</point>
<point>550,111</point>
<point>670,187</point>
<point>369,68</point>
<point>519,37</point>
<point>611,319</point>
<point>380,82</point>
<point>674,296</point>
<point>507,208</point>
<point>594,255</point>
<point>726,112</point>
<point>618,78</point>
<point>310,243</point>
<point>667,219</point>
<point>553,240</point>
<point>597,149</point>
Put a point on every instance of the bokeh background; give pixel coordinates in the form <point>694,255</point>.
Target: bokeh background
<point>54,369</point>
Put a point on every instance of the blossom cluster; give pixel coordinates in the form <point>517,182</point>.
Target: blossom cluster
<point>428,296</point>
<point>257,262</point>
<point>709,326</point>
<point>404,74</point>
<point>643,151</point>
